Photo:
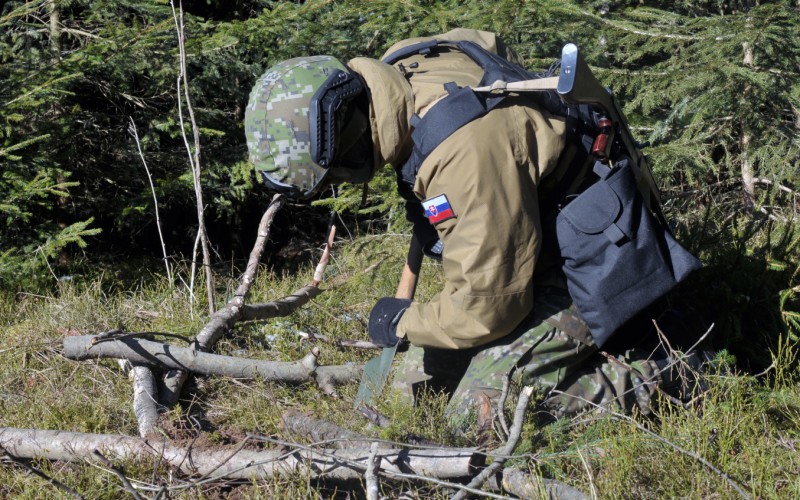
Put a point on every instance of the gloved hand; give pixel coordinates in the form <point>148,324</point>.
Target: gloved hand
<point>424,231</point>
<point>383,320</point>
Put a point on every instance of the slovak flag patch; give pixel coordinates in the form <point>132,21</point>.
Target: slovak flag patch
<point>438,209</point>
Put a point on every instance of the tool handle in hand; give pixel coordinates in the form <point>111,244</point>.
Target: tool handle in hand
<point>408,280</point>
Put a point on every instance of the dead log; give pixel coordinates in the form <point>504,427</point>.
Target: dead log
<point>237,463</point>
<point>507,449</point>
<point>165,356</point>
<point>145,399</point>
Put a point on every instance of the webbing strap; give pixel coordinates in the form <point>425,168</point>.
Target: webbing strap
<point>536,85</point>
<point>450,114</point>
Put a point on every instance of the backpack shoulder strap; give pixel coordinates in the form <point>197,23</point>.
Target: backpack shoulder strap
<point>462,105</point>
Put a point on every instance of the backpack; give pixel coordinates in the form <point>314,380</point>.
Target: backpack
<point>619,255</point>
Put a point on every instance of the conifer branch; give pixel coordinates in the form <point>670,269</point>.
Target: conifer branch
<point>635,31</point>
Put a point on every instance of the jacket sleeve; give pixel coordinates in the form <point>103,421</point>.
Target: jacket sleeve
<point>489,171</point>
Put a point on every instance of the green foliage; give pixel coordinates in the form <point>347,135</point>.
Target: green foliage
<point>682,70</point>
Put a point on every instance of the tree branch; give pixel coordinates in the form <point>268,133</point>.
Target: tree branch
<point>225,318</point>
<point>160,355</point>
<point>312,429</point>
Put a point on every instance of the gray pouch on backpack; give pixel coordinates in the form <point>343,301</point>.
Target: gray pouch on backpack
<point>618,258</point>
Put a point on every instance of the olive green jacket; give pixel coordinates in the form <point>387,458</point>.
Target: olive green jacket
<point>489,170</point>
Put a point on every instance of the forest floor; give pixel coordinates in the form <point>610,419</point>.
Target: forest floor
<point>740,438</point>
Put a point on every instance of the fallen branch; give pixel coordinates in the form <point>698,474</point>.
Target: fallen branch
<point>319,271</point>
<point>145,399</point>
<point>346,464</point>
<point>166,356</point>
<point>224,319</point>
<point>281,307</point>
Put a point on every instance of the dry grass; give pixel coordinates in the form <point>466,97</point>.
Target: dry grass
<point>748,427</point>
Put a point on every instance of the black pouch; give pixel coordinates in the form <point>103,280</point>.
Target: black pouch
<point>618,259</point>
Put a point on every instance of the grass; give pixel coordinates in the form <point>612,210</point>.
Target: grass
<point>747,426</point>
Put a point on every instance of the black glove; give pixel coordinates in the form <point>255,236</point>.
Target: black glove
<point>424,231</point>
<point>383,320</point>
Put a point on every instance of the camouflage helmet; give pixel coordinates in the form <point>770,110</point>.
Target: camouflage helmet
<point>285,122</point>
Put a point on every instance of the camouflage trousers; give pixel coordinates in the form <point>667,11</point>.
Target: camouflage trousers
<point>555,354</point>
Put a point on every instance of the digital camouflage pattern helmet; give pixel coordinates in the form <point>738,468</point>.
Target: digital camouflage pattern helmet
<point>277,124</point>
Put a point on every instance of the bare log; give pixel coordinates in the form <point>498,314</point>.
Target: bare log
<point>328,377</point>
<point>315,430</point>
<point>454,463</point>
<point>166,356</point>
<point>145,399</point>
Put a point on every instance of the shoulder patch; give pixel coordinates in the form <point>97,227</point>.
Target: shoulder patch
<point>438,209</point>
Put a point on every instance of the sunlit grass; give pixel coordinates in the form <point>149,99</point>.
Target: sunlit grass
<point>746,426</point>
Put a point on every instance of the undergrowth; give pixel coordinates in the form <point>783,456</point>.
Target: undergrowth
<point>747,426</point>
